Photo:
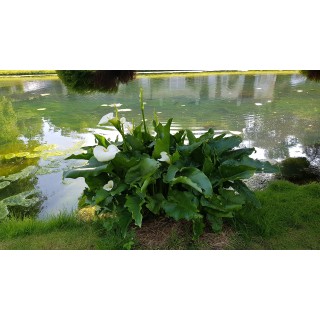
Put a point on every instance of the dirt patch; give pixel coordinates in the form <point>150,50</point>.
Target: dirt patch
<point>167,234</point>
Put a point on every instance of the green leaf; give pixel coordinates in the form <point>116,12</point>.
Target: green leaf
<point>140,172</point>
<point>197,226</point>
<point>188,149</point>
<point>206,136</point>
<point>162,140</point>
<point>187,181</point>
<point>230,200</point>
<point>101,194</point>
<point>232,170</point>
<point>179,137</point>
<point>223,144</point>
<point>84,156</point>
<point>192,139</point>
<point>207,166</point>
<point>215,222</point>
<point>3,210</point>
<point>122,161</point>
<point>213,203</point>
<point>171,173</point>
<point>260,166</point>
<point>175,157</point>
<point>146,183</point>
<point>154,202</point>
<point>181,205</point>
<point>249,195</point>
<point>119,189</point>
<point>134,205</point>
<point>102,141</point>
<point>198,177</point>
<point>236,154</point>
<point>134,143</point>
<point>93,169</point>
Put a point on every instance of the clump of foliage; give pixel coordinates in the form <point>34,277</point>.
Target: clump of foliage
<point>296,170</point>
<point>176,175</point>
<point>311,74</point>
<point>85,81</point>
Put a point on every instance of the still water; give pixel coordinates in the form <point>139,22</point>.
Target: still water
<point>41,123</point>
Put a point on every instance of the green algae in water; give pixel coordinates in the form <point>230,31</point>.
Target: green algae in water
<point>4,184</point>
<point>26,172</point>
<point>3,210</point>
<point>20,199</point>
<point>45,147</point>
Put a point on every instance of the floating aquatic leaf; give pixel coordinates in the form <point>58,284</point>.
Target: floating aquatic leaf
<point>20,175</point>
<point>45,147</point>
<point>4,184</point>
<point>20,199</point>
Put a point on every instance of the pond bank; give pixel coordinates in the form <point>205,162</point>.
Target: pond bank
<point>288,220</point>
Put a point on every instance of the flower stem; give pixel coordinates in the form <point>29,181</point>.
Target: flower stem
<point>142,110</point>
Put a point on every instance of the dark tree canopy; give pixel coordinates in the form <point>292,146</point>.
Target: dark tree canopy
<point>86,81</point>
<point>311,74</point>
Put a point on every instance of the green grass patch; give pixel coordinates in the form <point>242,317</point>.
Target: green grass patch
<point>289,219</point>
<point>63,232</point>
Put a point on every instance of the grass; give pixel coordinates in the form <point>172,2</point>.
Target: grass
<point>63,232</point>
<point>289,219</point>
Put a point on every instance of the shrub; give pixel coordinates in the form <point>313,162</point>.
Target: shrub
<point>177,175</point>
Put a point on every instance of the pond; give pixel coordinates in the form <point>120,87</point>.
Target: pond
<point>41,123</point>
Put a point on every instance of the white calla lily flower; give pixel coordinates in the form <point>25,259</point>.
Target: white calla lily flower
<point>128,126</point>
<point>105,119</point>
<point>164,157</point>
<point>103,154</point>
<point>108,186</point>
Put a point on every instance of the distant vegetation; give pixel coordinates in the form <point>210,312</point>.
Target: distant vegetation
<point>25,72</point>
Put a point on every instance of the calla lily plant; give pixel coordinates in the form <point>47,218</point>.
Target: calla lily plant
<point>180,176</point>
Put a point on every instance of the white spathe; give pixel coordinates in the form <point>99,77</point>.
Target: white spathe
<point>164,157</point>
<point>128,126</point>
<point>105,119</point>
<point>108,186</point>
<point>103,154</point>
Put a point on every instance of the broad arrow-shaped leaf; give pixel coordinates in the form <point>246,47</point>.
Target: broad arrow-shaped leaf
<point>181,205</point>
<point>134,205</point>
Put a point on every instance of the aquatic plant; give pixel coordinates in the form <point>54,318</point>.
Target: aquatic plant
<point>158,173</point>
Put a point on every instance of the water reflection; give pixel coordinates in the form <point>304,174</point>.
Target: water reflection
<point>279,115</point>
